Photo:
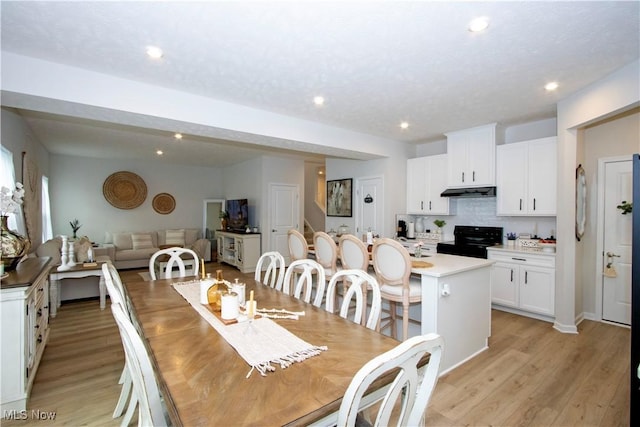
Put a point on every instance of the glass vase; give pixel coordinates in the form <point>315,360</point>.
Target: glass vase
<point>14,245</point>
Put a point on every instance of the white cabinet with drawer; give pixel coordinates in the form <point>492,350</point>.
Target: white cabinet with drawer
<point>523,282</point>
<point>24,310</point>
<point>238,249</point>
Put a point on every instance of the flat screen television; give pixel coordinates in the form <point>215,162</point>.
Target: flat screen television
<point>238,211</point>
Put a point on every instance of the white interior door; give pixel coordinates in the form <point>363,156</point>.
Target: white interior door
<point>284,215</point>
<point>369,205</point>
<point>616,291</point>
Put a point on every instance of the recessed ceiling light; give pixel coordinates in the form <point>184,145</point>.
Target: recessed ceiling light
<point>178,136</point>
<point>159,152</point>
<point>154,52</point>
<point>551,86</point>
<point>318,100</point>
<point>478,24</point>
<point>404,125</point>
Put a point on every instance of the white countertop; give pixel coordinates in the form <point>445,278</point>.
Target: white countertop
<point>447,265</point>
<point>523,250</point>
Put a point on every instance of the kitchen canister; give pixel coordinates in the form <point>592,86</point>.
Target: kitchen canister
<point>239,289</point>
<point>205,284</point>
<point>230,309</point>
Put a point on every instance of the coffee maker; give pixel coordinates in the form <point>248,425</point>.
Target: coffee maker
<point>402,229</point>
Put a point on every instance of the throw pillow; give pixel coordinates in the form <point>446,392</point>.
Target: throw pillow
<point>175,238</point>
<point>81,249</point>
<point>141,241</point>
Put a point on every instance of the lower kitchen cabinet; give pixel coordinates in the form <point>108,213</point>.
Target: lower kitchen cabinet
<point>239,249</point>
<point>24,312</point>
<point>523,282</point>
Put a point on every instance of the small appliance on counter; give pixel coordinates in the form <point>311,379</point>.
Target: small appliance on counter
<point>402,228</point>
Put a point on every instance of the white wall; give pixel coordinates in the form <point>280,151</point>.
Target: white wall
<point>619,136</point>
<point>76,192</point>
<point>612,95</point>
<point>393,169</point>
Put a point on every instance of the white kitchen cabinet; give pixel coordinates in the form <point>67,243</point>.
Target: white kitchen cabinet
<point>523,282</point>
<point>471,155</point>
<point>239,250</point>
<point>24,310</point>
<point>526,178</point>
<point>426,180</point>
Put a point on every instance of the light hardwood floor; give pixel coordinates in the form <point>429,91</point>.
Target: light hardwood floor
<point>531,375</point>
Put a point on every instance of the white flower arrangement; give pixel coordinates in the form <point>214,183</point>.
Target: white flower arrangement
<point>10,201</point>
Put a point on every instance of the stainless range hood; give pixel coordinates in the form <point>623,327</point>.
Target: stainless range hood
<point>470,192</point>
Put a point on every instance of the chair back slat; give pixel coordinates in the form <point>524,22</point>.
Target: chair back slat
<point>411,389</point>
<point>175,255</point>
<point>274,270</point>
<point>305,286</point>
<point>358,281</point>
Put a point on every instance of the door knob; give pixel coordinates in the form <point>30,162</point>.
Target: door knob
<point>273,230</point>
<point>611,255</point>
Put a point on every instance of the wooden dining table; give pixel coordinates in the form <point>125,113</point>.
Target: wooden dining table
<point>204,380</point>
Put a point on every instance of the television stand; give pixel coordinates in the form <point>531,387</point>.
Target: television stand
<point>241,250</point>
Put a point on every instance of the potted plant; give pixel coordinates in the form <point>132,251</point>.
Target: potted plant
<point>224,215</point>
<point>439,223</point>
<point>75,226</point>
<point>511,239</point>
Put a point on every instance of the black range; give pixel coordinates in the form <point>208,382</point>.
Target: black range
<point>472,241</point>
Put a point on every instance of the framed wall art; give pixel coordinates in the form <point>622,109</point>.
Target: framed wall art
<point>339,197</point>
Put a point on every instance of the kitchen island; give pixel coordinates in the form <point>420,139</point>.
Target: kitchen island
<point>456,303</point>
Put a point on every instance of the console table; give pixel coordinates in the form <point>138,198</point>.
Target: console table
<point>24,314</point>
<point>80,270</point>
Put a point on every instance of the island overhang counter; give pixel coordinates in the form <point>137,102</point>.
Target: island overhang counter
<point>456,304</point>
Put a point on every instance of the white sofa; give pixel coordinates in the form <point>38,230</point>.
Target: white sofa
<point>133,249</point>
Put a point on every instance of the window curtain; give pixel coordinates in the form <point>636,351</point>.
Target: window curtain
<point>8,179</point>
<point>47,228</point>
<point>31,206</point>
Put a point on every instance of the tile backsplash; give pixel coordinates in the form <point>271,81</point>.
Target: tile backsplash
<point>481,211</point>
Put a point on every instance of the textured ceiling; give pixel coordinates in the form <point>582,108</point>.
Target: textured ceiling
<point>376,63</point>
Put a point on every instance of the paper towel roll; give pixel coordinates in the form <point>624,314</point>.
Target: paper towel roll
<point>411,232</point>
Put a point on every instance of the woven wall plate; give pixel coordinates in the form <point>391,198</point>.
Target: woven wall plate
<point>164,203</point>
<point>124,190</point>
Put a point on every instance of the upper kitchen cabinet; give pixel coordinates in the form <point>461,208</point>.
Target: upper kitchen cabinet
<point>471,157</point>
<point>426,179</point>
<point>526,178</point>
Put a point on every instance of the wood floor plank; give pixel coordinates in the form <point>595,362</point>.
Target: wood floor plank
<point>531,375</point>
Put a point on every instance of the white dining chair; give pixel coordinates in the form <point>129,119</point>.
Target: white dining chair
<point>305,287</point>
<point>411,389</point>
<point>175,257</point>
<point>274,269</point>
<point>326,251</point>
<point>353,255</point>
<point>298,246</point>
<point>113,283</point>
<point>359,280</point>
<point>392,265</point>
<point>145,388</point>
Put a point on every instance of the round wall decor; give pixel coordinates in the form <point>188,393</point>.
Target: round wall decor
<point>124,190</point>
<point>164,203</point>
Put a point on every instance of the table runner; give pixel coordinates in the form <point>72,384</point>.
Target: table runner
<point>262,344</point>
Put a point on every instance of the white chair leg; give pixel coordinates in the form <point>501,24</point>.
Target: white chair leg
<point>131,409</point>
<point>124,393</point>
<point>123,375</point>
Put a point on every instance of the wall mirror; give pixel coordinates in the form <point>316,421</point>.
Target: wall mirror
<point>581,202</point>
<point>211,217</point>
